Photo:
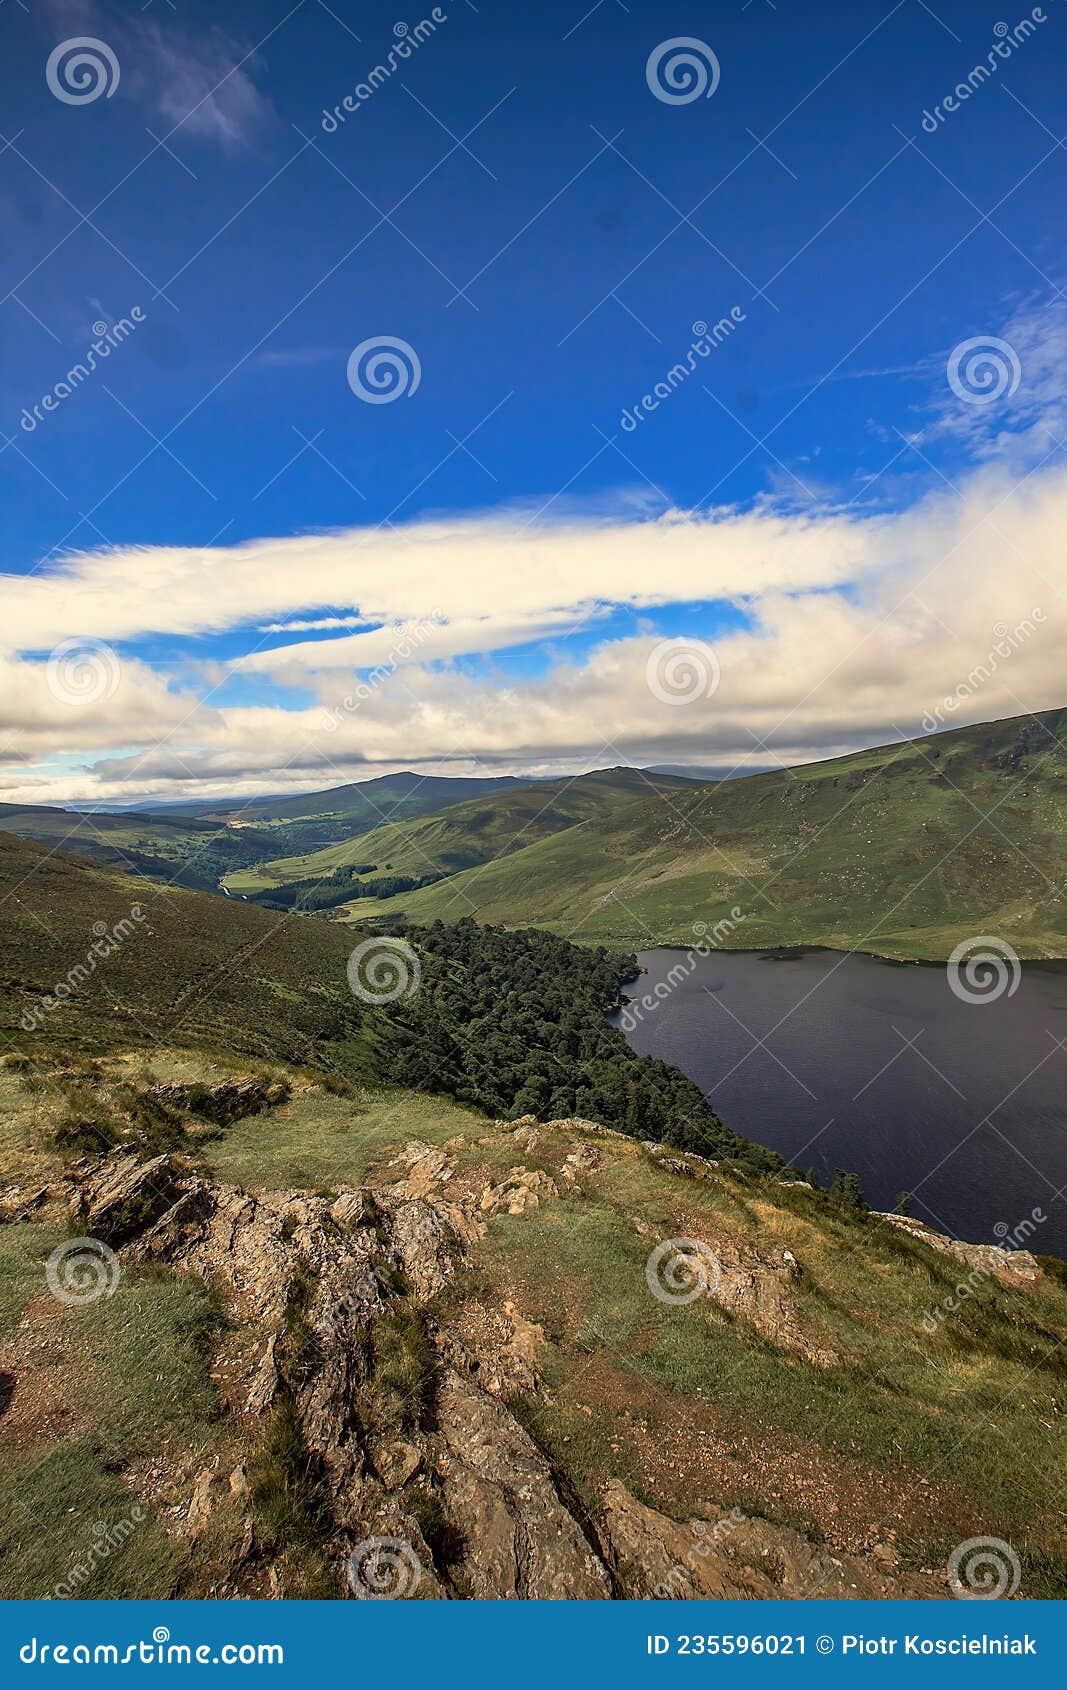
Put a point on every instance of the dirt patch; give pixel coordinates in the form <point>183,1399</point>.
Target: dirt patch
<point>686,1452</point>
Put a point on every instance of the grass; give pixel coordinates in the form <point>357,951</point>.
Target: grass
<point>939,1437</point>
<point>103,1395</point>
<point>465,834</point>
<point>902,851</point>
<point>955,1433</point>
<point>321,1141</point>
<point>185,968</point>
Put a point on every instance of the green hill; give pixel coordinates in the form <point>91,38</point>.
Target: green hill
<point>368,800</point>
<point>903,850</point>
<point>166,847</point>
<point>198,845</point>
<point>263,1291</point>
<point>463,835</point>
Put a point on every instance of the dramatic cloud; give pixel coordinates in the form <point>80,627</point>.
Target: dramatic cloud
<point>325,657</point>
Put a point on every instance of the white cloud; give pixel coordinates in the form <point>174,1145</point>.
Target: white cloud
<point>849,626</point>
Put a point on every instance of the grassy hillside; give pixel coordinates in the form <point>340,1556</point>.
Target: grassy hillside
<point>464,835</point>
<point>165,847</point>
<point>90,959</point>
<point>182,963</point>
<point>824,1421</point>
<point>197,846</point>
<point>829,1385</point>
<point>366,801</point>
<point>903,850</point>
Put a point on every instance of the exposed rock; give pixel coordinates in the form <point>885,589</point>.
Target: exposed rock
<point>759,1288</point>
<point>228,1101</point>
<point>123,1194</point>
<point>519,1540</point>
<point>266,1380</point>
<point>521,1190</point>
<point>202,1503</point>
<point>1012,1267</point>
<point>21,1202</point>
<point>394,1460</point>
<point>734,1557</point>
<point>527,1338</point>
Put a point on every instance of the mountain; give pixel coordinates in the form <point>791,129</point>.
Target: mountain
<point>197,845</point>
<point>368,801</point>
<point>462,835</point>
<point>168,847</point>
<point>904,850</point>
<point>266,1294</point>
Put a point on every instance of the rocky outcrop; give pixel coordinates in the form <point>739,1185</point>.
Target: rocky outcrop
<point>318,1278</point>
<point>519,1539</point>
<point>1017,1268</point>
<point>225,1102</point>
<point>405,1401</point>
<point>734,1557</point>
<point>760,1287</point>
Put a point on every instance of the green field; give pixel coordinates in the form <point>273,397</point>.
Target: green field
<point>902,851</point>
<point>464,835</point>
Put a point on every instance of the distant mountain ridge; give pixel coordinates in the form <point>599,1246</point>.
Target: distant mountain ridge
<point>905,850</point>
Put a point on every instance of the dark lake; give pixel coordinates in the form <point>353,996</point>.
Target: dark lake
<point>844,1061</point>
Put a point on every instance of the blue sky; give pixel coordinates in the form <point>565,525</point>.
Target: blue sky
<point>517,205</point>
